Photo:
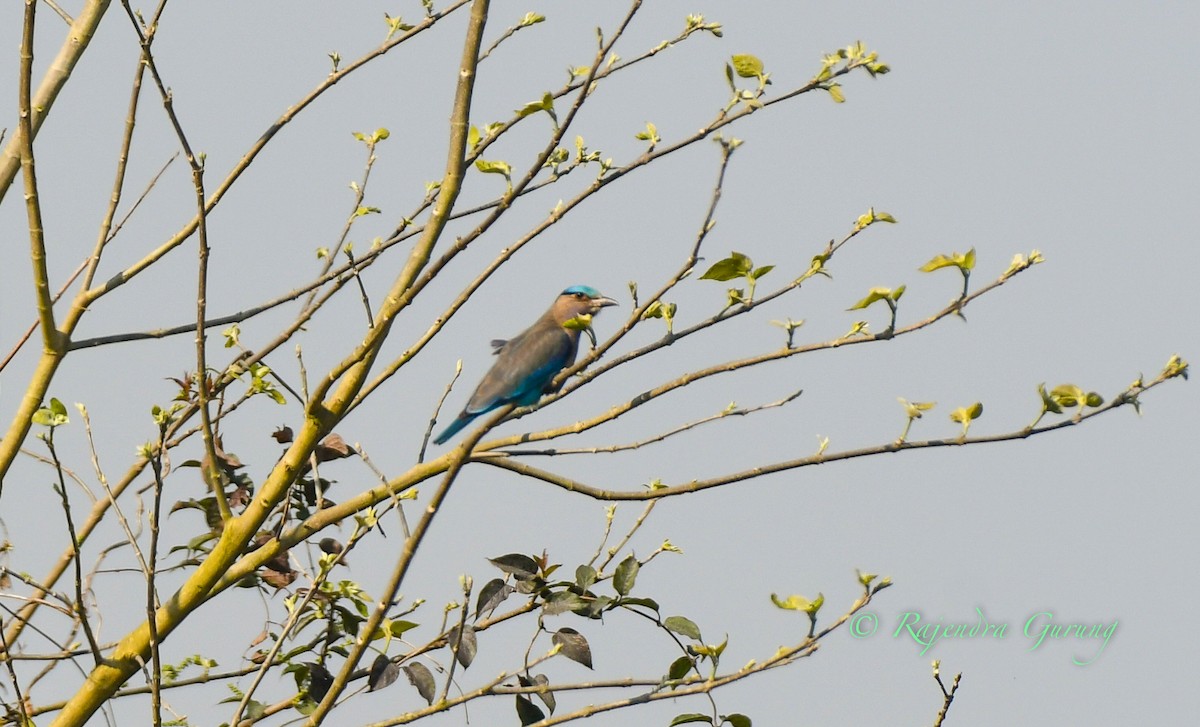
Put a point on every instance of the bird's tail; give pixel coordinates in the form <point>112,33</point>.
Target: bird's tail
<point>459,422</point>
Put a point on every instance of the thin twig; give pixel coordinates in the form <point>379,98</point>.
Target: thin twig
<point>130,537</point>
<point>509,32</point>
<point>152,602</point>
<point>947,695</point>
<point>12,677</point>
<point>58,9</point>
<point>456,642</point>
<point>212,467</point>
<point>637,524</point>
<point>437,410</point>
<point>79,607</point>
<point>723,414</point>
<point>360,191</point>
<point>609,513</point>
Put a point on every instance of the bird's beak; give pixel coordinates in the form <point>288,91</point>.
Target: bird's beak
<point>602,302</point>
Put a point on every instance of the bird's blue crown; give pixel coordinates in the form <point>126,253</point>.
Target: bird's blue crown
<point>585,289</point>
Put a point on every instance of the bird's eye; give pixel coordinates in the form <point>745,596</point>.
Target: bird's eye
<point>579,296</point>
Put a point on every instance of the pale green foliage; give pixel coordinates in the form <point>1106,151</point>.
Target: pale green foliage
<point>797,602</point>
<point>733,267</point>
<point>870,217</point>
<point>51,415</point>
<point>887,295</point>
<point>967,414</point>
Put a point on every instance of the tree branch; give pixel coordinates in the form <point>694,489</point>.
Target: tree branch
<point>75,43</point>
<point>498,459</point>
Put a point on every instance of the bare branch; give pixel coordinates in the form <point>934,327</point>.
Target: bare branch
<point>724,413</point>
<point>947,695</point>
<point>496,459</point>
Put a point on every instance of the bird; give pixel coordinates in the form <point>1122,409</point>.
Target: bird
<point>527,363</point>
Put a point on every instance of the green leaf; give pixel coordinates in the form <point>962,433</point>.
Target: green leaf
<point>540,680</point>
<point>397,628</point>
<point>491,595</point>
<point>682,626</point>
<point>384,673</point>
<point>231,335</point>
<point>561,602</point>
<point>581,322</point>
<point>1068,394</point>
<point>870,217</point>
<point>735,266</point>
<point>799,603</point>
<point>967,413</point>
<point>521,566</point>
<point>658,309</point>
<point>493,167</point>
<point>395,25</point>
<point>968,260</point>
<point>573,646</point>
<point>1048,402</point>
<point>1176,366</point>
<point>649,603</point>
<point>913,409</point>
<point>878,294</point>
<point>585,576</point>
<point>680,667</point>
<point>759,272</point>
<point>835,92</point>
<point>545,104</point>
<point>748,66</point>
<point>594,607</point>
<point>964,262</point>
<point>527,711</point>
<point>625,575</point>
<point>51,415</point>
<point>650,134</point>
<point>713,651</point>
<point>420,677</point>
<point>690,717</point>
<point>466,645</point>
<point>738,720</point>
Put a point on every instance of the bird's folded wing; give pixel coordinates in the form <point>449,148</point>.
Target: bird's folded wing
<point>523,368</point>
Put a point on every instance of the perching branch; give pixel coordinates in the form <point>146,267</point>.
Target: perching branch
<point>503,461</point>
